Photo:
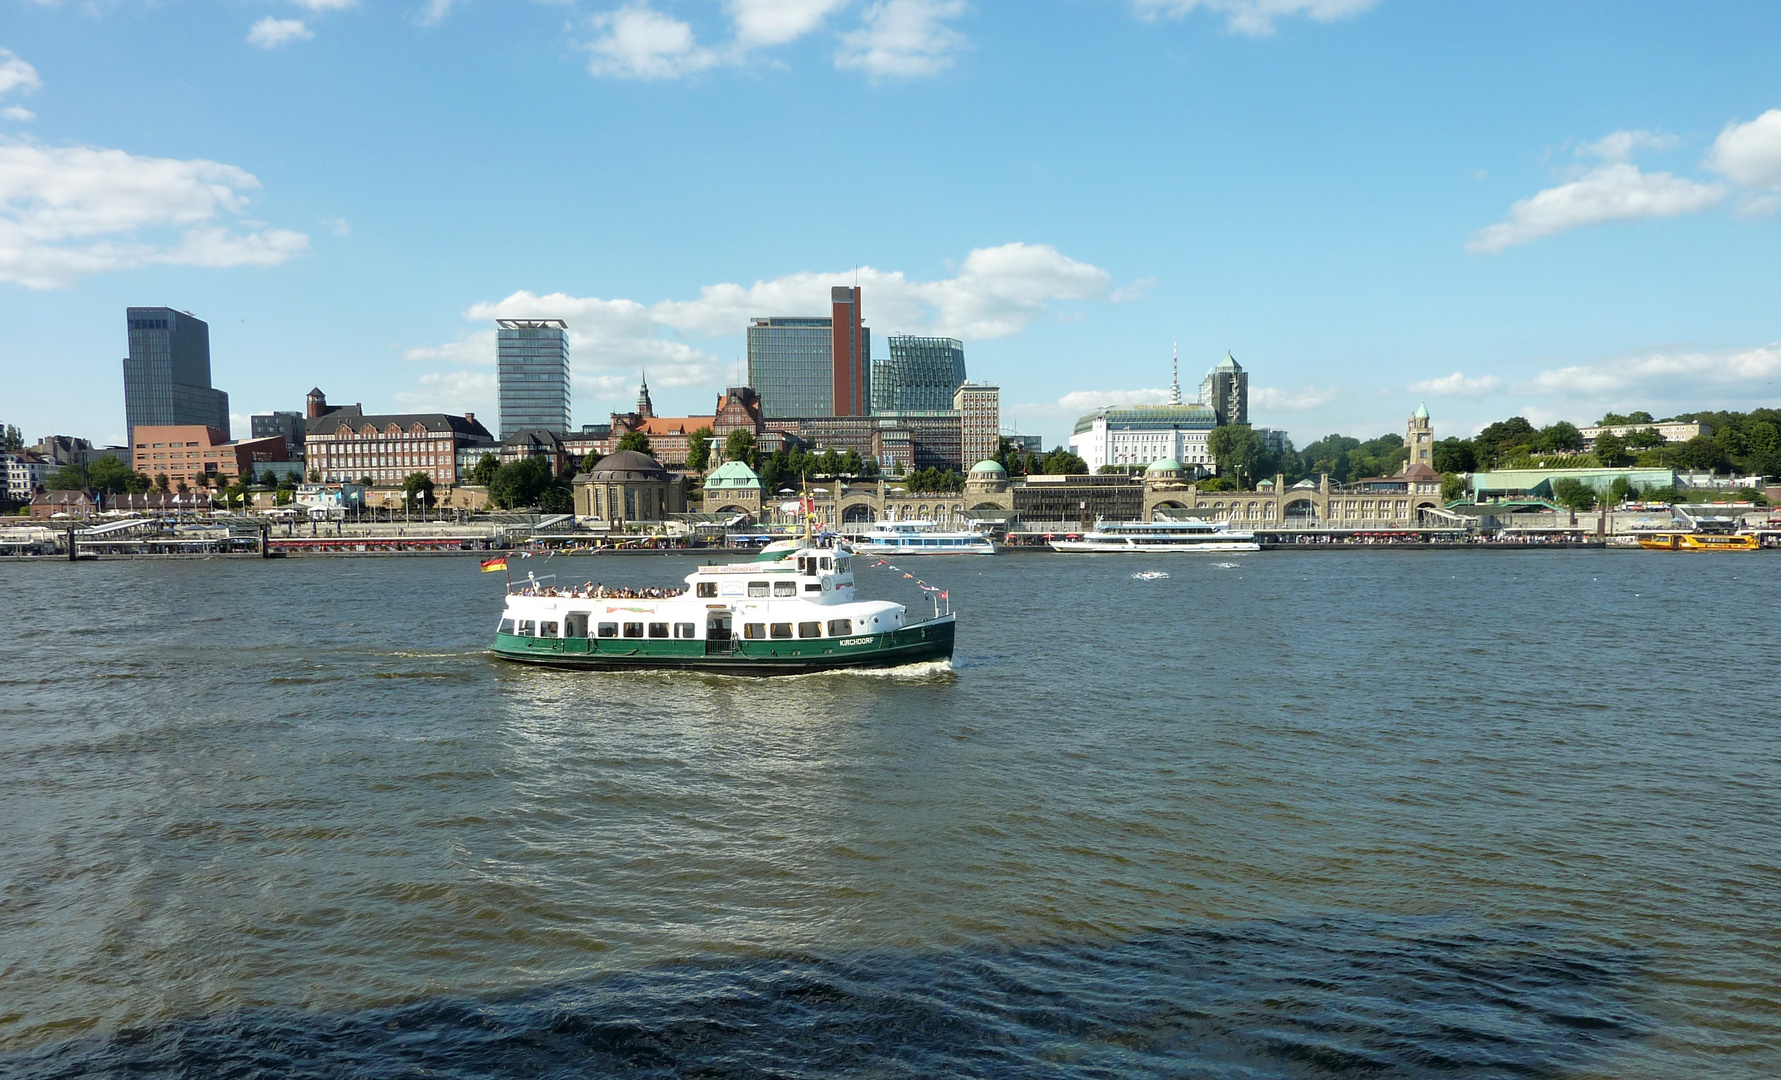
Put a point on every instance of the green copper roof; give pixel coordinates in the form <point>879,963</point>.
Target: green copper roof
<point>732,475</point>
<point>1160,417</point>
<point>988,468</point>
<point>1161,465</point>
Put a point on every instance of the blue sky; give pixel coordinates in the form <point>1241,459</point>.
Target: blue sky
<point>1499,207</point>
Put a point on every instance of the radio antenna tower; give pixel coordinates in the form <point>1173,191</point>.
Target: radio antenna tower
<point>1175,377</point>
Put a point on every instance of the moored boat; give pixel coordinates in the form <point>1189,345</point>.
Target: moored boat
<point>1698,541</point>
<point>921,538</point>
<point>791,610</point>
<point>1192,535</point>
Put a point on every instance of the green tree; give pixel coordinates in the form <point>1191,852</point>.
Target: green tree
<point>1645,439</point>
<point>1620,491</point>
<point>162,484</point>
<point>365,481</point>
<point>71,477</point>
<point>1702,452</point>
<point>1453,486</point>
<point>1611,451</point>
<point>557,499</point>
<point>417,487</point>
<point>11,438</point>
<point>315,476</point>
<point>1573,493</point>
<point>484,470</point>
<point>1455,456</point>
<point>1501,440</point>
<point>1559,437</point>
<point>1061,462</point>
<point>698,449</point>
<point>740,447</point>
<point>935,481</point>
<point>519,483</point>
<point>635,440</point>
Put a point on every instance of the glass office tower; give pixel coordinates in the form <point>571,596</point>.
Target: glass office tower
<point>921,375</point>
<point>791,365</point>
<point>532,369</point>
<point>801,366</point>
<point>167,374</point>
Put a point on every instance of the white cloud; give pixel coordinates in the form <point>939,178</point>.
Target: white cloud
<point>1253,17</point>
<point>776,22</point>
<point>436,11</point>
<point>997,291</point>
<point>270,33</point>
<point>17,112</point>
<point>338,226</point>
<point>1311,397</point>
<point>454,392</point>
<point>1750,154</point>
<point>1125,294</point>
<point>1622,145</point>
<point>1612,192</point>
<point>903,39</point>
<point>1664,373</point>
<point>325,5</point>
<point>637,42</point>
<point>70,211</point>
<point>16,74</point>
<point>1078,402</point>
<point>1457,385</point>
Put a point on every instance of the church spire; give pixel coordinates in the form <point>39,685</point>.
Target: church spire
<point>644,408</point>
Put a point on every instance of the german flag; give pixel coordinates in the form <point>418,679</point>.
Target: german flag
<point>490,566</point>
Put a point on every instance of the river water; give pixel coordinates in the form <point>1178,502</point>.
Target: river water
<point>1375,813</point>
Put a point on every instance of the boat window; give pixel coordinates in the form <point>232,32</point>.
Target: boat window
<point>782,629</point>
<point>754,630</point>
<point>658,629</point>
<point>686,630</point>
<point>506,627</point>
<point>633,629</point>
<point>527,628</point>
<point>810,629</point>
<point>758,588</point>
<point>547,629</point>
<point>813,586</point>
<point>840,627</point>
<point>828,563</point>
<point>841,565</point>
<point>707,589</point>
<point>608,629</point>
<point>785,588</point>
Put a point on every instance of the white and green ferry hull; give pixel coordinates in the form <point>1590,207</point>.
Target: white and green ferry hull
<point>918,643</point>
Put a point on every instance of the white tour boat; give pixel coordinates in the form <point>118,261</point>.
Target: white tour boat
<point>792,609</point>
<point>921,538</point>
<point>1148,536</point>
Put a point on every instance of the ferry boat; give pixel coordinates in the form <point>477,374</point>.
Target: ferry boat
<point>1697,541</point>
<point>790,610</point>
<point>1147,536</point>
<point>921,538</point>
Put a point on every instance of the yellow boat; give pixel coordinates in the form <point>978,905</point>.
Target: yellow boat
<point>1692,541</point>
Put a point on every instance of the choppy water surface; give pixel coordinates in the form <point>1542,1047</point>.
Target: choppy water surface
<point>1297,814</point>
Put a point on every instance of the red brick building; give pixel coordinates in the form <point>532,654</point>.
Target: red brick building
<point>188,453</point>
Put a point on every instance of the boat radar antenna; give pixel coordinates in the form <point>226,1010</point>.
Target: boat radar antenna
<point>1175,377</point>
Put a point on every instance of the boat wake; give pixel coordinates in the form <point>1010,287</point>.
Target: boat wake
<point>1226,566</point>
<point>1150,575</point>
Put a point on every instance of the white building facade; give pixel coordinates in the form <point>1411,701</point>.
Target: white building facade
<point>1137,435</point>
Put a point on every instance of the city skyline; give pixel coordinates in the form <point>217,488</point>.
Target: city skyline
<point>1551,213</point>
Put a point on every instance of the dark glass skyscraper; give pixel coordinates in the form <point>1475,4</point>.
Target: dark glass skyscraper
<point>532,369</point>
<point>921,375</point>
<point>805,366</point>
<point>167,374</point>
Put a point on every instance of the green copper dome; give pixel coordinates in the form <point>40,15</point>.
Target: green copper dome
<point>988,468</point>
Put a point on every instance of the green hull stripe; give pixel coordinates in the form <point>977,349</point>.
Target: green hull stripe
<point>908,645</point>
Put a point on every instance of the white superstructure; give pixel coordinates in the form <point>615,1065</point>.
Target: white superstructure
<point>921,538</point>
<point>1160,536</point>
